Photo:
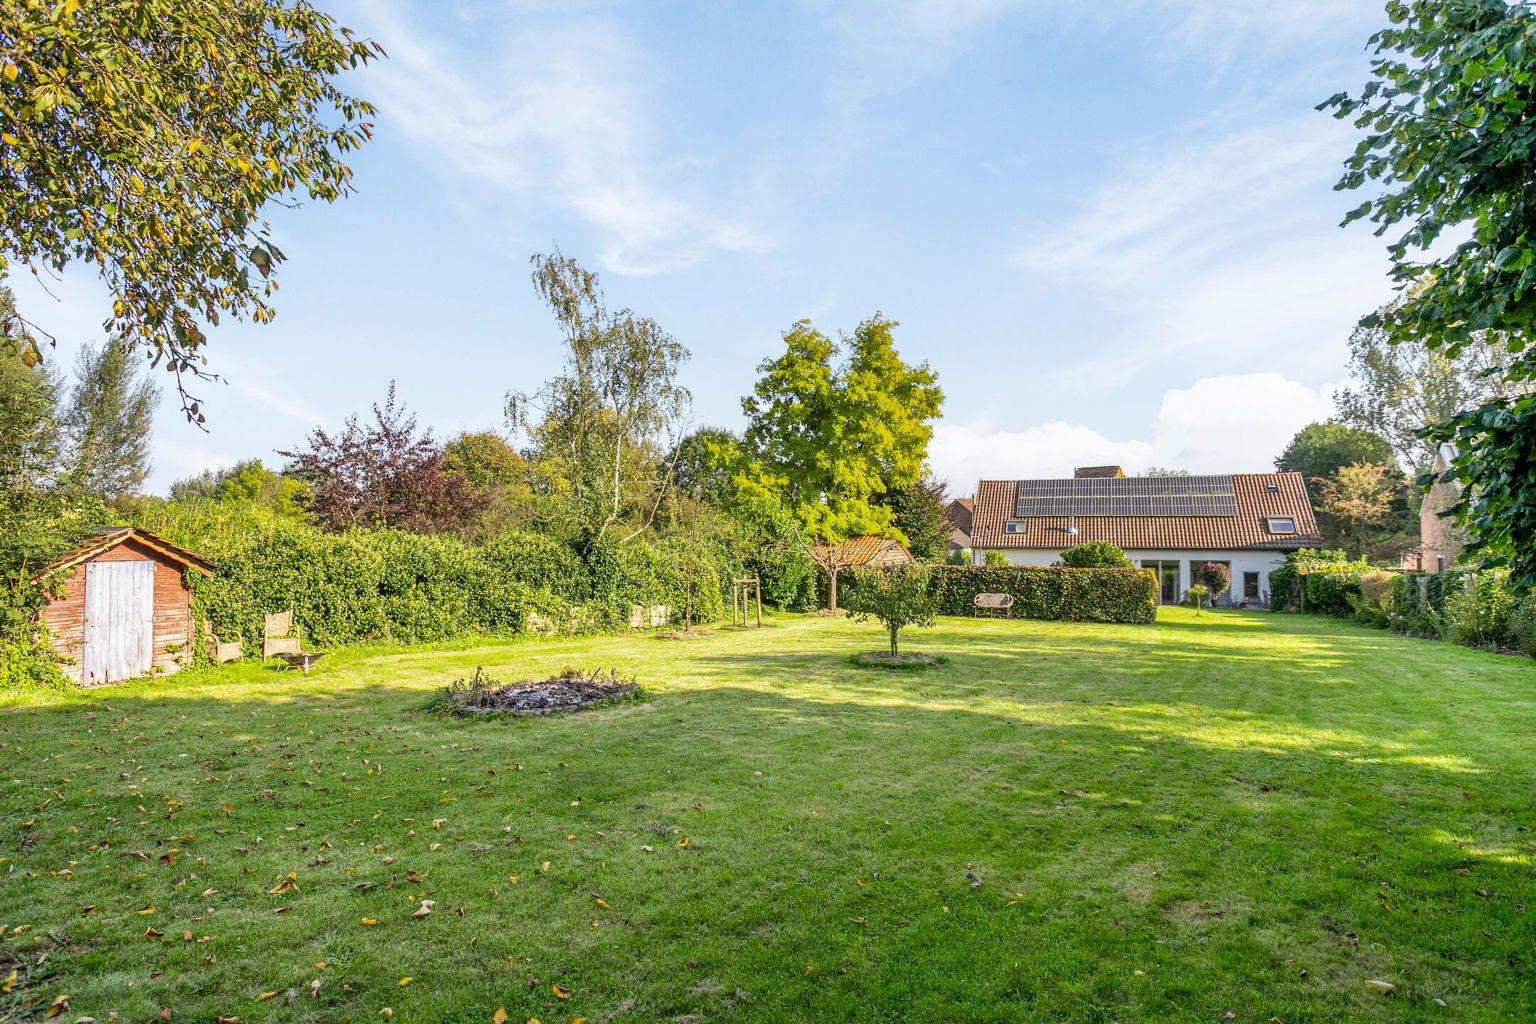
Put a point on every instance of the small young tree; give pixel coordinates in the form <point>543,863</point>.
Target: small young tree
<point>1197,595</point>
<point>1095,554</point>
<point>896,596</point>
<point>1216,578</point>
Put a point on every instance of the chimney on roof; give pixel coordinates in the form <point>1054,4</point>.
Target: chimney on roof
<point>1097,472</point>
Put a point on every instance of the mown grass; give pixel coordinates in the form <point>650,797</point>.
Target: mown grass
<point>1232,812</point>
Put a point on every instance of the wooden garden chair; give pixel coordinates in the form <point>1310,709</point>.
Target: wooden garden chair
<point>279,634</point>
<point>219,651</point>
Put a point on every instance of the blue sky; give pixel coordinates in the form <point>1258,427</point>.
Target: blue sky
<point>1109,226</point>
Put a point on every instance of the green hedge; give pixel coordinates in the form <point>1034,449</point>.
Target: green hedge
<point>392,586</point>
<point>1084,595</point>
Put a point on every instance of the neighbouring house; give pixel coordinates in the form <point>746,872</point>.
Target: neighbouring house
<point>125,609</point>
<point>1439,539</point>
<point>958,515</point>
<point>1170,525</point>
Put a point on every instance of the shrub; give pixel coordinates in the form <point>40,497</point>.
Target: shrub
<point>1216,578</point>
<point>897,596</point>
<point>995,558</point>
<point>1522,625</point>
<point>1088,595</point>
<point>1478,614</point>
<point>1095,554</point>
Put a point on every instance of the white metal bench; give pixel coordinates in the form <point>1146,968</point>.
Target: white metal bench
<point>993,604</point>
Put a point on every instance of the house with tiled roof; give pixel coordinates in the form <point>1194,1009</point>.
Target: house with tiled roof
<point>1168,524</point>
<point>958,514</point>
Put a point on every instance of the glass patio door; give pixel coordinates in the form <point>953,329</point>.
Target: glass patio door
<point>1167,579</point>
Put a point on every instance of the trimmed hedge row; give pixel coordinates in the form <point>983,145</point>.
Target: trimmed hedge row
<point>367,586</point>
<point>1079,595</point>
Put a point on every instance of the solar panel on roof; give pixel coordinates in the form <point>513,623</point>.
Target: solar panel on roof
<point>1126,496</point>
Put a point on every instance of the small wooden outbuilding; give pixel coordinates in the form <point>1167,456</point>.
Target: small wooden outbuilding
<point>126,610</point>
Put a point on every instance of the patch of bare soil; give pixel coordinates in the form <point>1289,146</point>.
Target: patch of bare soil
<point>904,660</point>
<point>569,691</point>
<point>683,634</point>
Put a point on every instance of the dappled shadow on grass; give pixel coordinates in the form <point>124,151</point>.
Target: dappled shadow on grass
<point>1064,819</point>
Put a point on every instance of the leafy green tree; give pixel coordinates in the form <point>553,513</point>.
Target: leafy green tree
<point>995,558</point>
<point>245,481</point>
<point>827,439</point>
<point>145,137</point>
<point>602,428</point>
<point>1401,390</point>
<point>1319,449</point>
<point>920,516</point>
<point>485,460</point>
<point>29,416</point>
<point>1448,118</point>
<point>108,422</point>
<point>897,596</point>
<point>704,462</point>
<point>1095,554</point>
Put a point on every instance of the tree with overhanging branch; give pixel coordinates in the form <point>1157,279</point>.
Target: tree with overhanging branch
<point>1448,117</point>
<point>145,138</point>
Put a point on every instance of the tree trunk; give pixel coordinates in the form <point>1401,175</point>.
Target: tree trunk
<point>832,589</point>
<point>893,641</point>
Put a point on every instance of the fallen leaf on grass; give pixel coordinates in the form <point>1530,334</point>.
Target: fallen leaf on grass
<point>683,842</point>
<point>405,981</point>
<point>499,1017</point>
<point>289,884</point>
<point>600,901</point>
<point>58,1006</point>
<point>265,996</point>
<point>424,909</point>
<point>150,933</point>
<point>560,991</point>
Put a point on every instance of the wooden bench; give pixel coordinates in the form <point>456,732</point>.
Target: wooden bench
<point>993,604</point>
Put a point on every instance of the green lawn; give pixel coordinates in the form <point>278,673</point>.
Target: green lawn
<point>1065,822</point>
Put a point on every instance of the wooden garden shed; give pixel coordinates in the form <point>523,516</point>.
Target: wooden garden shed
<point>125,609</point>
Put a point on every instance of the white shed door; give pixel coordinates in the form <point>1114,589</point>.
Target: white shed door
<point>119,620</point>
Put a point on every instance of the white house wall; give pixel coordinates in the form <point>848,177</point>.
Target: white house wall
<point>1260,562</point>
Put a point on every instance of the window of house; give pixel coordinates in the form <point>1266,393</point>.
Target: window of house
<point>1014,526</point>
<point>1250,586</point>
<point>1280,524</point>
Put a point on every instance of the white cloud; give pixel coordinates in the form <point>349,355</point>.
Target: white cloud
<point>1179,202</point>
<point>1220,424</point>
<point>559,110</point>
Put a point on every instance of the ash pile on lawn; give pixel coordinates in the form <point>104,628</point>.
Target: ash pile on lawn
<point>571,690</point>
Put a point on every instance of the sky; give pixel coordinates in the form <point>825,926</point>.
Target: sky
<point>1109,226</point>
